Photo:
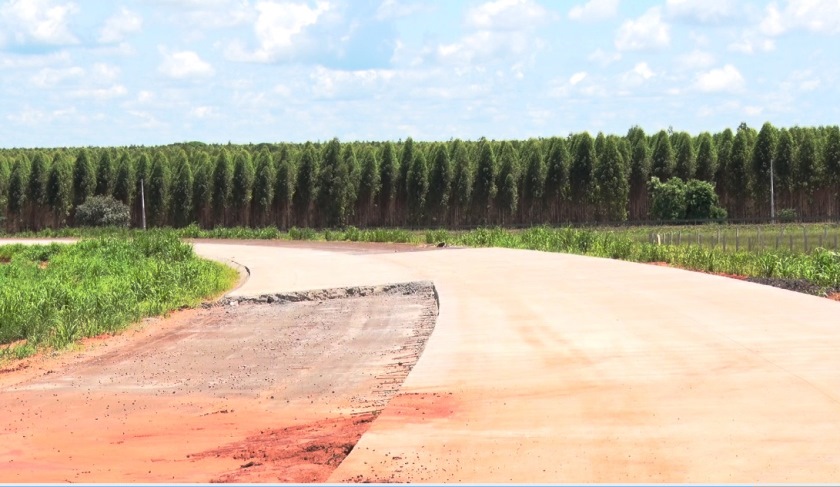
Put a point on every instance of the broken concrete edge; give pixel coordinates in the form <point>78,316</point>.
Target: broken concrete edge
<point>402,288</point>
<point>244,275</point>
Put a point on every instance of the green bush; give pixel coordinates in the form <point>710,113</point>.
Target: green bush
<point>102,211</point>
<point>678,200</point>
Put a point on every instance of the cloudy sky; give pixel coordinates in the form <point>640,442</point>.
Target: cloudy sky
<point>94,72</point>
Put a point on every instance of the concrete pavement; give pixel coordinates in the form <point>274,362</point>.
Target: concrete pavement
<point>558,368</point>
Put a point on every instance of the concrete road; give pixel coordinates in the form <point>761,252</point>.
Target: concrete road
<point>558,368</point>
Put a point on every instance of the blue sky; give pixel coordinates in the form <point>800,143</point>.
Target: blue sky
<point>95,72</point>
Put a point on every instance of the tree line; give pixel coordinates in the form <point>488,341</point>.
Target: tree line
<point>556,180</point>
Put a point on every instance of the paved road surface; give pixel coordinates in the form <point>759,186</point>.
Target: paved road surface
<point>557,368</point>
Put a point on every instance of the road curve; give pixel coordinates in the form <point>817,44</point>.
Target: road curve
<point>558,368</point>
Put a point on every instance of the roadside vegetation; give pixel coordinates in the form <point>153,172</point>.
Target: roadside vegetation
<point>53,295</point>
<point>820,265</point>
<point>571,179</point>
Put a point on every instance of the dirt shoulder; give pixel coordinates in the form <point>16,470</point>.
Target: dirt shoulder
<point>243,392</point>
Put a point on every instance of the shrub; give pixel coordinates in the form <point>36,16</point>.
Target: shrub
<point>787,215</point>
<point>678,200</point>
<point>102,211</point>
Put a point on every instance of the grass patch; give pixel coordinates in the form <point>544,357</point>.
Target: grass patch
<point>52,295</point>
<point>753,252</point>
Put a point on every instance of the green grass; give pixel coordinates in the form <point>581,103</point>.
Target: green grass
<point>53,295</point>
<point>709,248</point>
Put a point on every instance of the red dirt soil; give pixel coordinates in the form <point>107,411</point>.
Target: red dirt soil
<point>246,393</point>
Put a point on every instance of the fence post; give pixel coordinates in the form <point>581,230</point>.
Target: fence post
<point>737,240</point>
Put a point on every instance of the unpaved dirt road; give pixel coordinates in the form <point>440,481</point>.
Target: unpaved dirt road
<point>555,368</point>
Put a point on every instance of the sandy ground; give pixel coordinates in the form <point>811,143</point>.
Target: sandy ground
<point>235,393</point>
<point>541,368</point>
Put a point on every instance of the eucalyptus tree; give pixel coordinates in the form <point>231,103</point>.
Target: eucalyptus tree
<point>557,179</point>
<point>388,176</point>
<point>462,182</point>
<point>533,183</point>
<point>222,188</point>
<point>182,191</point>
<point>60,188</point>
<point>484,186</point>
<point>242,186</point>
<point>263,195</point>
<point>306,186</point>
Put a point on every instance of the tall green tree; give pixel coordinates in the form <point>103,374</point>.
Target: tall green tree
<point>284,188</point>
<point>706,158</point>
<point>369,186</point>
<point>484,186</point>
<point>124,183</point>
<point>582,175</point>
<point>533,184</point>
<point>265,179</point>
<point>508,181</point>
<point>662,162</point>
<point>557,177</point>
<point>105,173</point>
<point>158,194</point>
<point>37,190</point>
<point>763,153</point>
<point>222,188</point>
<point>60,188</point>
<point>684,166</point>
<point>354,174</point>
<point>613,187</point>
<point>784,168</point>
<point>202,188</point>
<point>737,170</point>
<point>18,186</point>
<point>440,185</point>
<point>389,173</point>
<point>182,191</point>
<point>462,181</point>
<point>808,170</point>
<point>306,188</point>
<point>84,178</point>
<point>242,187</point>
<point>334,186</point>
<point>5,170</point>
<point>418,187</point>
<point>639,176</point>
<point>406,160</point>
<point>831,159</point>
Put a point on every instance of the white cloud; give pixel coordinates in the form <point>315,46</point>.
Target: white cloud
<point>506,15</point>
<point>484,45</point>
<point>604,58</point>
<point>118,26</point>
<point>145,96</point>
<point>820,16</point>
<point>277,28</point>
<point>204,112</point>
<point>48,77</point>
<point>331,83</point>
<point>393,9</point>
<point>36,21</point>
<point>725,79</point>
<point>695,59</point>
<point>701,11</point>
<point>100,93</point>
<point>750,43</point>
<point>35,117</point>
<point>594,10</point>
<point>577,78</point>
<point>645,32</point>
<point>500,29</point>
<point>184,64</point>
<point>637,76</point>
